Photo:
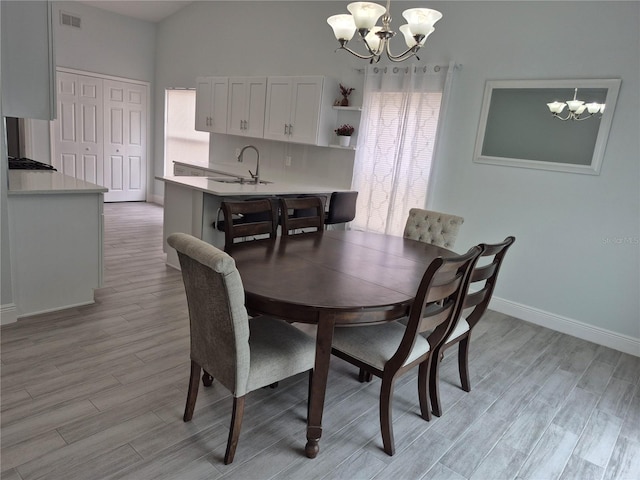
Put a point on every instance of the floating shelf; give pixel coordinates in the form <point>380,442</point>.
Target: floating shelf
<point>349,109</point>
<point>335,145</point>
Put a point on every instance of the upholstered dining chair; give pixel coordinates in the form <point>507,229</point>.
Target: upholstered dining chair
<point>440,229</point>
<point>314,218</point>
<point>342,208</point>
<point>482,282</point>
<point>391,349</point>
<point>248,219</point>
<point>242,354</point>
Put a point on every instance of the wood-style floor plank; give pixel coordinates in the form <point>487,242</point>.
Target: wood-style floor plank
<point>97,392</point>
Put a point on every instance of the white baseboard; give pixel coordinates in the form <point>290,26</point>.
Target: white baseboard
<point>8,314</point>
<point>601,336</point>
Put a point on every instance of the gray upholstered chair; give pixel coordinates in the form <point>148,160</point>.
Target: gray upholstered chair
<point>436,228</point>
<point>392,349</point>
<point>482,282</point>
<point>242,354</point>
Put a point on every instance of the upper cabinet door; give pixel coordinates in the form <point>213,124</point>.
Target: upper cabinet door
<point>211,104</point>
<point>299,109</point>
<point>256,88</point>
<point>305,109</point>
<point>278,109</point>
<point>246,106</point>
<point>28,62</point>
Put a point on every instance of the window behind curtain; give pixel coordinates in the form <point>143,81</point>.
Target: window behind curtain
<point>394,172</point>
<point>182,142</point>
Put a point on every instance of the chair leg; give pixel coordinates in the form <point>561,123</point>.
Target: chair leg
<point>309,394</point>
<point>207,379</point>
<point>194,383</point>
<point>423,385</point>
<point>386,426</point>
<point>463,363</point>
<point>234,430</point>
<point>364,376</point>
<point>434,383</point>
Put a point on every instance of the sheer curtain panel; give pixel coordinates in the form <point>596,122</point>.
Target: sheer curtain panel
<point>401,112</point>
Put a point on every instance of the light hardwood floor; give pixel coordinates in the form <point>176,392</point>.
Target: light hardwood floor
<point>98,392</point>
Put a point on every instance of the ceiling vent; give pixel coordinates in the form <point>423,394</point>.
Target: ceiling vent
<point>69,20</point>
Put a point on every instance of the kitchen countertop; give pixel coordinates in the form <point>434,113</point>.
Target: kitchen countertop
<point>30,182</point>
<point>205,184</point>
<point>236,169</point>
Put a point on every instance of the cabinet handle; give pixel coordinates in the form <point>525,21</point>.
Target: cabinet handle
<point>246,124</point>
<point>286,129</point>
<point>290,129</point>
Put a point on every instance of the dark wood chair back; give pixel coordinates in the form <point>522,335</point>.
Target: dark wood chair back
<point>487,275</point>
<point>248,219</point>
<point>482,282</point>
<point>314,213</point>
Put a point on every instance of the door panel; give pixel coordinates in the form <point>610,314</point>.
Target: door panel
<point>100,134</point>
<point>125,141</point>
<point>77,132</point>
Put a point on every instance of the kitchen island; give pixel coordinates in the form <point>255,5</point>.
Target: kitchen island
<point>192,204</point>
<point>56,240</point>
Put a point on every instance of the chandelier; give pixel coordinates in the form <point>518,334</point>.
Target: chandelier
<point>363,18</point>
<point>576,108</point>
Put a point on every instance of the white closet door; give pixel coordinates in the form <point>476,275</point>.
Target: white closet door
<point>78,130</point>
<point>125,142</point>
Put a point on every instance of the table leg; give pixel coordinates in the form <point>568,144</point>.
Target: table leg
<point>324,338</point>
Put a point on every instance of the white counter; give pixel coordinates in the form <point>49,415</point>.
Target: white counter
<point>56,240</point>
<point>48,182</point>
<point>192,205</point>
<point>207,185</point>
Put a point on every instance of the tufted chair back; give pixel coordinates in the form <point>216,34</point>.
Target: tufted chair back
<point>435,228</point>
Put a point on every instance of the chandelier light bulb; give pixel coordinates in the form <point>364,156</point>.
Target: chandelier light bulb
<point>365,14</point>
<point>374,40</point>
<point>343,26</point>
<point>409,38</point>
<point>593,107</point>
<point>556,107</point>
<point>421,20</point>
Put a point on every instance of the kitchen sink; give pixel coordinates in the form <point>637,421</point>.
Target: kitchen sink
<point>237,180</point>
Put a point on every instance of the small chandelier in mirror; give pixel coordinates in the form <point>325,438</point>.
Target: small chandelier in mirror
<point>576,108</point>
<point>363,18</point>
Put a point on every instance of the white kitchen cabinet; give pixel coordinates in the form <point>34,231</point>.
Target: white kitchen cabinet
<point>247,96</point>
<point>28,61</point>
<point>299,109</point>
<point>211,104</point>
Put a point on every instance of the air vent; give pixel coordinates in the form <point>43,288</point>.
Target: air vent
<point>69,20</point>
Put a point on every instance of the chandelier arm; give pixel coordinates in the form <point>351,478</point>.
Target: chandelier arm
<point>410,52</point>
<point>364,57</point>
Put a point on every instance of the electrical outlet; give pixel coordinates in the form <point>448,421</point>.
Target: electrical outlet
<point>238,150</point>
<point>287,161</point>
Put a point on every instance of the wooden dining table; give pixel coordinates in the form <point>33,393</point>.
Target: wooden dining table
<point>332,278</point>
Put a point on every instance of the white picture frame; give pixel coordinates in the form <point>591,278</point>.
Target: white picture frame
<point>517,129</point>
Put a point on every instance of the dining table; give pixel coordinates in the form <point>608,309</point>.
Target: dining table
<point>331,279</point>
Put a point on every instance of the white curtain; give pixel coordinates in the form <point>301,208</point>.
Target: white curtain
<point>401,111</point>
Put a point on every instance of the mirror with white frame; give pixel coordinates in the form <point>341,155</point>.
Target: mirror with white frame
<point>518,127</point>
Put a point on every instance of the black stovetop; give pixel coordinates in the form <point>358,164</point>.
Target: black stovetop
<point>28,164</point>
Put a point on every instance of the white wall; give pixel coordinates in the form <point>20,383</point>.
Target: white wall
<point>575,266</point>
<point>566,269</point>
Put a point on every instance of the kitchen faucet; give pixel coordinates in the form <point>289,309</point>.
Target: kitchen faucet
<point>255,177</point>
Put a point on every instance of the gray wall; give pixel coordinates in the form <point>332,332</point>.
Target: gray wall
<point>576,262</point>
<point>576,256</point>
